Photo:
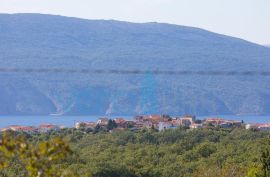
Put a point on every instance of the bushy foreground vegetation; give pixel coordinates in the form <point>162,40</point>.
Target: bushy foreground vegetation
<point>171,153</point>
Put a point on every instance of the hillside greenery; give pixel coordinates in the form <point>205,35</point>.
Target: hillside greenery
<point>147,153</point>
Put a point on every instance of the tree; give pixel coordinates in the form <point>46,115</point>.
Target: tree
<point>108,170</point>
<point>111,124</point>
<point>254,171</point>
<point>206,149</point>
<point>265,160</point>
<point>37,159</point>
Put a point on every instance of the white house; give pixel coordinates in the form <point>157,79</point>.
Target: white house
<point>48,127</point>
<point>165,125</point>
<point>85,125</point>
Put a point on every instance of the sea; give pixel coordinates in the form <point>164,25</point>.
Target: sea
<point>69,121</point>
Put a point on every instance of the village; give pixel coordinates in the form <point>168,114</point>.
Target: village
<point>157,122</point>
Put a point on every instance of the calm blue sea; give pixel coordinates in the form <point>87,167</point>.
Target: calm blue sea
<point>68,121</point>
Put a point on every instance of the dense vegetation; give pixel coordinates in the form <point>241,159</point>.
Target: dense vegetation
<point>148,153</point>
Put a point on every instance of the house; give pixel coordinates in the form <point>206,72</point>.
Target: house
<point>44,128</point>
<point>222,122</point>
<point>165,125</point>
<point>237,123</point>
<point>195,126</point>
<point>214,121</point>
<point>226,124</point>
<point>103,121</point>
<point>252,126</point>
<point>155,118</point>
<point>192,117</point>
<point>152,118</point>
<point>175,122</point>
<point>85,125</point>
<point>120,122</point>
<point>186,121</point>
<point>149,125</point>
<point>14,127</point>
<point>4,129</point>
<point>262,127</point>
<point>28,129</point>
<point>145,124</point>
<point>139,125</point>
<point>18,128</point>
<point>249,126</point>
<point>129,124</point>
<point>139,118</point>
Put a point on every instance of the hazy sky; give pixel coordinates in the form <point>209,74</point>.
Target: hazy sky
<point>248,19</point>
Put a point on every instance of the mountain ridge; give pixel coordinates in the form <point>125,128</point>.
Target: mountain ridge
<point>67,42</point>
<point>127,22</point>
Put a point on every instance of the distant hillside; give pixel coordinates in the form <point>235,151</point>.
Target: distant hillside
<point>46,41</point>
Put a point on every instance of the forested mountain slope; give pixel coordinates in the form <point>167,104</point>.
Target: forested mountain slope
<point>47,41</point>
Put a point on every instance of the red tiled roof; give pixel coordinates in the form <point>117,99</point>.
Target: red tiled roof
<point>22,128</point>
<point>47,126</point>
<point>27,128</point>
<point>119,120</point>
<point>264,125</point>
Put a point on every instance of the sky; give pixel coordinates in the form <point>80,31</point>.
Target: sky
<point>247,19</point>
